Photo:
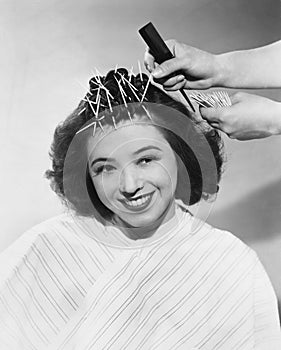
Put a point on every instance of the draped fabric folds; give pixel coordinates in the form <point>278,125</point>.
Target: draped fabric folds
<point>65,287</point>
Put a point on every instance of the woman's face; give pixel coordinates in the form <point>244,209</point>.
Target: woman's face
<point>134,171</point>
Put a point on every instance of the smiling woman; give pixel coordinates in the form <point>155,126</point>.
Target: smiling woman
<point>128,266</point>
<point>138,182</point>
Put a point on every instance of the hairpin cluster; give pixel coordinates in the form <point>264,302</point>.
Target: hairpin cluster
<point>100,100</point>
<point>214,99</point>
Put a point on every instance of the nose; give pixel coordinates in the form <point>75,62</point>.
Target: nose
<point>130,181</point>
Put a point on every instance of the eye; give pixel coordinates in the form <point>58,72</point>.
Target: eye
<point>146,160</point>
<point>106,168</point>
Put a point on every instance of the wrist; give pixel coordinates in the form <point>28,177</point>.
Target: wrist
<point>275,127</point>
<point>222,74</point>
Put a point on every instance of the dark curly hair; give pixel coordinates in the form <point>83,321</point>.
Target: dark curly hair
<point>70,185</point>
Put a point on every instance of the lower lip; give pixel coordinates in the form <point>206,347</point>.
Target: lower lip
<point>141,207</point>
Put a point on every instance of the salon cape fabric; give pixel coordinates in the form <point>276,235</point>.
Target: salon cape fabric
<point>64,288</point>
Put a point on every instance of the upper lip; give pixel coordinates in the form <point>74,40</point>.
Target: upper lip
<point>136,198</point>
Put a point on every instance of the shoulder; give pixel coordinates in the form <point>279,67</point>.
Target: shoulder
<point>223,241</point>
<point>63,225</point>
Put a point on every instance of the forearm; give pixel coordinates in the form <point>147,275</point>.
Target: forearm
<point>275,118</point>
<point>256,68</point>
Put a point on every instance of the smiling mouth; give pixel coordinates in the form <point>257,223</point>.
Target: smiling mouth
<point>138,203</point>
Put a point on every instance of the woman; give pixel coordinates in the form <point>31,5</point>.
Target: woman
<point>128,267</point>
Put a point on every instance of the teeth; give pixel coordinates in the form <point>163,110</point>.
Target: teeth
<point>135,203</point>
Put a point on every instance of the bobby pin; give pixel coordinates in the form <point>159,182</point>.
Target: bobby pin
<point>145,90</point>
<point>120,88</point>
<point>101,85</point>
<point>123,97</point>
<point>130,84</point>
<point>130,116</point>
<point>131,73</point>
<point>97,96</point>
<point>139,65</point>
<point>122,77</point>
<point>200,102</point>
<point>96,77</point>
<point>147,112</point>
<point>101,126</point>
<point>91,105</point>
<point>96,83</point>
<point>98,106</point>
<point>220,100</point>
<point>114,123</point>
<point>134,93</point>
<point>95,127</point>
<point>86,99</point>
<point>82,110</point>
<point>86,127</point>
<point>108,99</point>
<point>107,91</point>
<point>225,96</point>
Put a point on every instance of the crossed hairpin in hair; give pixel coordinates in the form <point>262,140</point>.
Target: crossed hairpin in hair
<point>95,105</point>
<point>214,99</point>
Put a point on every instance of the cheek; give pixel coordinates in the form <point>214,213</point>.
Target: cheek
<point>171,165</point>
<point>165,176</point>
<point>105,187</point>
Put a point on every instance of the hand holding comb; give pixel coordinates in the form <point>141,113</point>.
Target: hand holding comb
<point>159,50</point>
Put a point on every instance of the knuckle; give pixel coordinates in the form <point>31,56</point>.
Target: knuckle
<point>222,115</point>
<point>219,118</point>
<point>202,84</point>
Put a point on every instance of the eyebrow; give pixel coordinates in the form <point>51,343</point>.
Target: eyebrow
<point>101,160</point>
<point>104,159</point>
<point>147,148</point>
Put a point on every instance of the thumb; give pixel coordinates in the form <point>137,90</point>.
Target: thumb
<point>212,115</point>
<point>168,67</point>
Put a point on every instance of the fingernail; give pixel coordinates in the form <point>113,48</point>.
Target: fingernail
<point>147,66</point>
<point>157,72</point>
<point>180,78</point>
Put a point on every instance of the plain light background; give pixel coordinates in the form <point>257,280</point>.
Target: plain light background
<point>48,51</point>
